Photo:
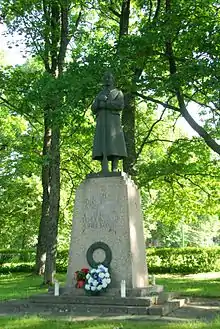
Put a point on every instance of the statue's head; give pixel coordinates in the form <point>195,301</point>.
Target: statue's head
<point>108,79</point>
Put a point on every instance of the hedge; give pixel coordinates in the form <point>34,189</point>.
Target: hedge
<point>160,260</point>
<point>16,255</point>
<point>16,268</point>
<point>183,260</point>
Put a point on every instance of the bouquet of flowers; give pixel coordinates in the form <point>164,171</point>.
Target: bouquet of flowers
<point>80,277</point>
<point>97,279</point>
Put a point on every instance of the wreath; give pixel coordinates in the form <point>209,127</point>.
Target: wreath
<point>105,248</point>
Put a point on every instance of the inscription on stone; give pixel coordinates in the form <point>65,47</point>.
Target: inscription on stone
<point>99,215</point>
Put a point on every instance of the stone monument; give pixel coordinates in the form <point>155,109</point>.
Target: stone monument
<point>107,222</point>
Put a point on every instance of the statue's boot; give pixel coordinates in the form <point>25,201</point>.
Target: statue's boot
<point>115,165</point>
<point>104,163</point>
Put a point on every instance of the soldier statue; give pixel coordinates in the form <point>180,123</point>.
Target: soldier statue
<point>109,142</point>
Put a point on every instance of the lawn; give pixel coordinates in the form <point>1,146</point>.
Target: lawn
<point>21,285</point>
<point>13,286</point>
<point>43,323</point>
<point>186,286</point>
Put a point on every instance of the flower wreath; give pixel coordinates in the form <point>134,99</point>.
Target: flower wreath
<point>97,279</point>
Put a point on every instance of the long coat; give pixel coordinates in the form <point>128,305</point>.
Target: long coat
<point>109,137</point>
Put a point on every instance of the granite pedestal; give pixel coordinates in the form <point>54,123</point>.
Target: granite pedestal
<point>108,209</point>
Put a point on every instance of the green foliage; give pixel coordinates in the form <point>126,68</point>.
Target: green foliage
<point>159,260</point>
<point>17,268</point>
<point>178,176</point>
<point>15,255</point>
<point>183,260</point>
<point>202,232</point>
<point>14,260</point>
<point>62,261</point>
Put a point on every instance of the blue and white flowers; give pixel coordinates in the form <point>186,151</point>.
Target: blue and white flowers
<point>97,279</point>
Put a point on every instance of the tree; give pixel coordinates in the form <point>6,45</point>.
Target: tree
<point>153,61</point>
<point>47,38</point>
<point>20,187</point>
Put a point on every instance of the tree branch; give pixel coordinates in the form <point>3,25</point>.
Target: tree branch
<point>157,101</point>
<point>55,37</point>
<point>114,12</point>
<point>193,183</point>
<point>158,140</point>
<point>11,106</point>
<point>180,98</point>
<point>73,185</point>
<point>63,37</point>
<point>46,37</point>
<point>150,11</point>
<point>157,10</point>
<point>197,102</point>
<point>147,136</point>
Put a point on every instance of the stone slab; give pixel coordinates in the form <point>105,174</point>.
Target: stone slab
<point>115,292</point>
<point>88,300</point>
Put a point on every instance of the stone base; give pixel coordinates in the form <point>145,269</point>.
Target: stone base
<point>115,292</point>
<point>105,305</point>
<point>108,174</point>
<point>107,210</point>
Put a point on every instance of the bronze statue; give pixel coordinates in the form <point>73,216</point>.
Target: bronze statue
<point>109,143</point>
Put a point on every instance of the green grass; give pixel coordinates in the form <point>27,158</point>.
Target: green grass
<point>21,285</point>
<point>43,323</point>
<point>190,287</point>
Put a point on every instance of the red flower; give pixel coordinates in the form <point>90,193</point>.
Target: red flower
<point>80,276</point>
<point>80,284</point>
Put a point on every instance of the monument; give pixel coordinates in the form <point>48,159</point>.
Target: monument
<point>107,223</point>
<point>107,229</point>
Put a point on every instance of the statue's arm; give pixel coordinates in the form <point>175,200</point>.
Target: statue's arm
<point>117,103</point>
<point>95,106</point>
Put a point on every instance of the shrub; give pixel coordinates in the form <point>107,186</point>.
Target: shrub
<point>16,255</point>
<point>62,260</point>
<point>160,260</point>
<point>13,260</point>
<point>183,260</point>
<point>16,268</point>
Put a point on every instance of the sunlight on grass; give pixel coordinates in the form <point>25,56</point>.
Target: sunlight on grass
<point>20,285</point>
<point>190,286</point>
<point>42,323</point>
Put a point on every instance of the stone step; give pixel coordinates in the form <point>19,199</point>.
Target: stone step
<point>90,306</point>
<point>105,305</point>
<point>150,290</point>
<point>86,309</point>
<point>90,300</point>
<point>167,307</point>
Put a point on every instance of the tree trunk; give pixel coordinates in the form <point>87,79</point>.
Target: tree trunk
<point>56,42</point>
<point>128,114</point>
<point>124,18</point>
<point>128,121</point>
<point>59,47</point>
<point>43,233</point>
<point>54,199</point>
